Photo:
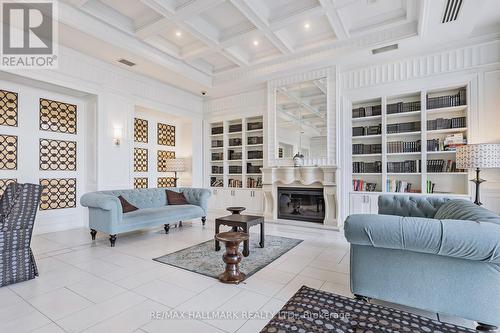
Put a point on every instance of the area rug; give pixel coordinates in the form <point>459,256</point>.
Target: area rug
<point>312,310</point>
<point>203,259</point>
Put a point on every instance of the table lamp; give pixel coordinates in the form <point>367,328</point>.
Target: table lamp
<point>478,156</point>
<point>176,165</point>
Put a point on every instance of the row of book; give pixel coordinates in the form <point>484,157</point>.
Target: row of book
<point>367,167</point>
<point>216,182</point>
<point>364,186</point>
<point>235,169</point>
<point>430,186</point>
<point>255,140</point>
<point>442,166</point>
<point>234,183</point>
<point>367,111</point>
<point>447,101</point>
<point>413,126</point>
<point>443,123</point>
<point>235,155</point>
<point>254,182</point>
<point>217,130</point>
<point>401,107</point>
<point>217,169</point>
<point>366,130</point>
<point>404,147</point>
<point>253,154</point>
<point>360,148</point>
<point>253,168</point>
<point>217,156</point>
<point>409,166</point>
<point>399,186</point>
<point>217,143</point>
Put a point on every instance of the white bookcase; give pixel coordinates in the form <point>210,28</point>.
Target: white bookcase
<point>235,156</point>
<point>415,108</point>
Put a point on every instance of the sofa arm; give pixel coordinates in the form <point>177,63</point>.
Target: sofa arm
<point>101,201</point>
<point>197,196</point>
<point>453,238</point>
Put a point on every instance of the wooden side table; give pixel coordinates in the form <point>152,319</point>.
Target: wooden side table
<point>240,222</point>
<point>232,257</point>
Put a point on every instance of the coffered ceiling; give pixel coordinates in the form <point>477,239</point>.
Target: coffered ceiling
<point>211,42</point>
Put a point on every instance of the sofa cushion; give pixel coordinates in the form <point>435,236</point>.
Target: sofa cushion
<point>127,207</point>
<point>465,210</point>
<point>404,205</point>
<point>166,214</point>
<point>175,198</point>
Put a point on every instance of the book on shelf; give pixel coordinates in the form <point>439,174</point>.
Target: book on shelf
<point>234,182</point>
<point>367,111</point>
<point>367,130</point>
<point>252,126</point>
<point>442,166</point>
<point>409,166</point>
<point>217,130</point>
<point>413,126</point>
<point>235,128</point>
<point>445,123</point>
<point>399,186</point>
<point>367,167</point>
<point>448,100</point>
<point>254,182</point>
<point>359,185</point>
<point>358,149</point>
<point>216,182</point>
<point>255,140</point>
<point>402,107</point>
<point>403,147</point>
<point>430,186</point>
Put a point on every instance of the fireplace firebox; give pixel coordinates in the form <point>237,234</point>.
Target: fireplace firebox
<point>302,204</point>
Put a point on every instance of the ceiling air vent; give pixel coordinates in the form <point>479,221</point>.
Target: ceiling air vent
<point>385,49</point>
<point>126,62</point>
<point>452,10</point>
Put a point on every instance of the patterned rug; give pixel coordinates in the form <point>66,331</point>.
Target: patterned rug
<point>203,259</point>
<point>312,310</point>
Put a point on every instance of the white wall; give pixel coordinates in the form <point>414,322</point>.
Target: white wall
<point>115,92</point>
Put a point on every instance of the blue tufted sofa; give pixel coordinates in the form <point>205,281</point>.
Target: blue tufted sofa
<point>431,253</point>
<point>106,215</point>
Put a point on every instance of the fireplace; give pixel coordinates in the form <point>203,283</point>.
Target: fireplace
<point>303,204</point>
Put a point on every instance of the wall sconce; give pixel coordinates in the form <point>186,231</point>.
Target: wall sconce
<point>117,135</point>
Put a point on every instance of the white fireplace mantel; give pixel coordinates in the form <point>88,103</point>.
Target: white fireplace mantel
<point>305,177</point>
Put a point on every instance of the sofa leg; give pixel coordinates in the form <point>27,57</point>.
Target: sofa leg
<point>180,224</point>
<point>362,298</point>
<point>485,328</point>
<point>166,227</point>
<point>203,220</point>
<point>112,240</point>
<point>93,232</point>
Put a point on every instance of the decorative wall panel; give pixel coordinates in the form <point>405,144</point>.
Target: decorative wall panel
<point>141,182</point>
<point>8,108</point>
<point>8,152</point>
<point>166,181</point>
<point>58,193</point>
<point>4,182</point>
<point>57,155</point>
<point>140,160</point>
<point>164,155</point>
<point>166,135</point>
<point>140,130</point>
<point>57,116</point>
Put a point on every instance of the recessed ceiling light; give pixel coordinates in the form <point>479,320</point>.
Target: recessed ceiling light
<point>307,26</point>
<point>178,33</point>
<point>256,42</point>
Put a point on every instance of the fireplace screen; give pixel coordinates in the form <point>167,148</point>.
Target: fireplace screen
<point>303,204</point>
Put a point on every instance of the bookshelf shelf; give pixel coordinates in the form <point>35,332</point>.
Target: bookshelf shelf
<point>232,139</point>
<point>410,111</point>
<point>448,130</point>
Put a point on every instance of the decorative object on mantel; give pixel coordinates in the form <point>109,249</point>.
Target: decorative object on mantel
<point>298,160</point>
<point>202,258</point>
<point>478,156</point>
<point>175,165</point>
<point>342,314</point>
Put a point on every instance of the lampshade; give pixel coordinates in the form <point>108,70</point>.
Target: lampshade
<point>482,156</point>
<point>176,165</point>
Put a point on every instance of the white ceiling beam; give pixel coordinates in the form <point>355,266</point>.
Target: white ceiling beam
<point>309,14</point>
<point>195,7</point>
<point>77,19</point>
<point>152,29</point>
<point>164,45</point>
<point>261,23</point>
<point>197,27</point>
<point>334,19</point>
<point>301,102</point>
<point>423,18</point>
<point>109,15</point>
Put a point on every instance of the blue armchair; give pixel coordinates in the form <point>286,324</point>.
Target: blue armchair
<point>431,253</point>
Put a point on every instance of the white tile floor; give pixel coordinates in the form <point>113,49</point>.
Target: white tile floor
<point>87,286</point>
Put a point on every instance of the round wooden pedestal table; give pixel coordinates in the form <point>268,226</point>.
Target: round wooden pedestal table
<point>232,257</point>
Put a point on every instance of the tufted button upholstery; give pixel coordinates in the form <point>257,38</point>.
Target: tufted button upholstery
<point>404,205</point>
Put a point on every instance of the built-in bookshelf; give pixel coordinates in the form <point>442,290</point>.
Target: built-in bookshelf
<point>406,143</point>
<point>236,153</point>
